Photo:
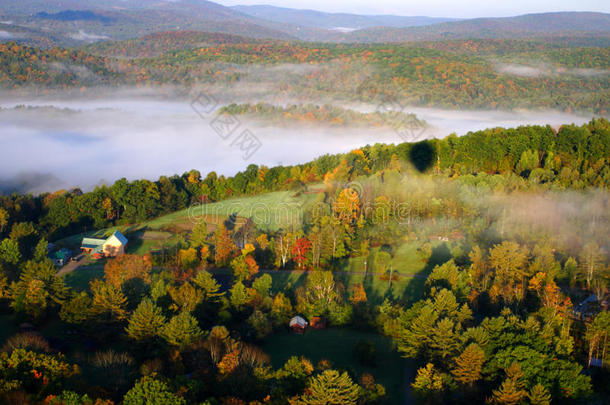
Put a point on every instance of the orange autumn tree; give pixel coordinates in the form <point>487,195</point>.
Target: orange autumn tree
<point>359,295</point>
<point>347,207</point>
<point>127,267</point>
<point>244,266</point>
<point>223,246</point>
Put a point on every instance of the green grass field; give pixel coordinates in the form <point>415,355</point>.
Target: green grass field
<point>80,278</point>
<point>337,345</point>
<point>269,211</point>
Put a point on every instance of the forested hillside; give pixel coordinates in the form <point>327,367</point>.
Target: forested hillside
<point>410,73</point>
<point>468,253</point>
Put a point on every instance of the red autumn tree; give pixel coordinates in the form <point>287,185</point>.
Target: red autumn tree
<point>300,250</point>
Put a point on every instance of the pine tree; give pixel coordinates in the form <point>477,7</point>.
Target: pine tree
<point>428,384</point>
<point>38,288</point>
<point>239,296</point>
<point>108,302</point>
<point>359,295</point>
<point>469,365</point>
<point>41,250</point>
<point>223,247</point>
<point>330,388</point>
<point>208,285</point>
<point>4,216</point>
<point>512,390</point>
<point>150,391</point>
<point>509,393</point>
<point>182,330</point>
<point>539,395</point>
<point>445,340</point>
<point>146,321</point>
<point>186,297</point>
<point>199,235</point>
<point>415,335</point>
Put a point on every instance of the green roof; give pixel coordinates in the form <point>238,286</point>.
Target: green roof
<point>92,243</point>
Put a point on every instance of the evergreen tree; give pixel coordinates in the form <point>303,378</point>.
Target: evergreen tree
<point>182,330</point>
<point>445,341</point>
<point>199,235</point>
<point>330,388</point>
<point>508,393</point>
<point>37,289</point>
<point>469,365</point>
<point>146,321</point>
<point>512,391</point>
<point>149,391</point>
<point>223,247</point>
<point>208,286</point>
<point>238,296</point>
<point>429,384</point>
<point>539,395</point>
<point>108,302</point>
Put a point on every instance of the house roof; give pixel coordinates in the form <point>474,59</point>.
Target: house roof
<point>298,321</point>
<point>119,236</point>
<point>92,242</point>
<point>61,254</point>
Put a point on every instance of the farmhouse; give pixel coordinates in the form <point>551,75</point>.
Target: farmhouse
<point>113,246</point>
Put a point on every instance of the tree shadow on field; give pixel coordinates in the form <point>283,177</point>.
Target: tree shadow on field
<point>414,291</point>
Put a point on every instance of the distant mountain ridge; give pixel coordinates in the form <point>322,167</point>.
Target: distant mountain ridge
<point>528,25</point>
<point>319,19</point>
<point>70,22</point>
<point>72,15</point>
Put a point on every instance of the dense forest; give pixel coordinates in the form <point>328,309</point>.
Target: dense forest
<point>447,75</point>
<point>510,226</point>
<point>325,114</point>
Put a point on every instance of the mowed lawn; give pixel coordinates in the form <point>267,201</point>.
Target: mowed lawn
<point>337,345</point>
<point>80,278</point>
<point>269,211</point>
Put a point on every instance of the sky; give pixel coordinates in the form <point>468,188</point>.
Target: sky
<point>436,8</point>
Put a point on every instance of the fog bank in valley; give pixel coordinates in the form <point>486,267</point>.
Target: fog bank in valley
<point>63,142</point>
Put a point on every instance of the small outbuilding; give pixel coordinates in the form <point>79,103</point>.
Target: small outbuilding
<point>298,324</point>
<point>317,322</point>
<point>60,257</point>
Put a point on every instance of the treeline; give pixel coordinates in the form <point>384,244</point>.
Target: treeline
<point>159,43</point>
<point>573,157</point>
<point>325,114</point>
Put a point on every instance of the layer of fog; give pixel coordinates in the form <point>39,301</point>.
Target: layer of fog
<point>106,135</point>
<point>87,37</point>
<point>544,69</point>
<point>6,35</point>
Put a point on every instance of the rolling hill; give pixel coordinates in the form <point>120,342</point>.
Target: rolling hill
<point>69,22</point>
<point>335,21</point>
<point>90,21</point>
<point>524,26</point>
